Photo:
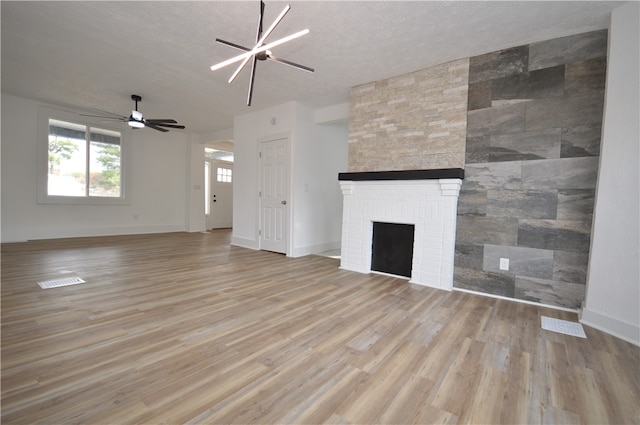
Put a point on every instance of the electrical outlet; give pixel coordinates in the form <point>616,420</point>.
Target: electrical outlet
<point>504,264</point>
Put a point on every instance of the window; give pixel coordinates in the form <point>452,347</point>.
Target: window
<point>224,175</point>
<point>207,188</point>
<point>218,154</point>
<point>80,163</point>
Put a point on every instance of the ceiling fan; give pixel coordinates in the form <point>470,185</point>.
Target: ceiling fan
<point>136,120</point>
<point>260,51</point>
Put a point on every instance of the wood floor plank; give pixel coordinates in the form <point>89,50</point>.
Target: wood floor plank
<point>185,328</point>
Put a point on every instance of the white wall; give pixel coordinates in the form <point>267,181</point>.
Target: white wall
<point>613,283</point>
<point>318,153</point>
<point>247,130</point>
<point>158,180</point>
<point>195,185</point>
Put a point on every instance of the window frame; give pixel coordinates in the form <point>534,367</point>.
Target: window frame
<point>44,115</point>
<point>224,175</point>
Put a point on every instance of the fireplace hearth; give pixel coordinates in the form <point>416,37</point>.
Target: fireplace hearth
<point>426,199</point>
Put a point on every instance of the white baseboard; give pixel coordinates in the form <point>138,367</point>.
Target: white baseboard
<point>500,297</point>
<point>23,235</point>
<point>245,243</point>
<point>625,331</point>
<point>315,249</point>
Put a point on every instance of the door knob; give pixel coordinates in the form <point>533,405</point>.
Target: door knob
<point>284,202</point>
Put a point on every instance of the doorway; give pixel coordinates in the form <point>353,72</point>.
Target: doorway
<point>274,194</point>
<point>218,194</point>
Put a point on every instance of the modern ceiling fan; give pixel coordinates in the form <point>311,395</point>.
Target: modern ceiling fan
<point>136,120</point>
<point>260,51</point>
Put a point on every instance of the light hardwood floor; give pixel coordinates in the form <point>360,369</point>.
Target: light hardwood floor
<point>183,328</point>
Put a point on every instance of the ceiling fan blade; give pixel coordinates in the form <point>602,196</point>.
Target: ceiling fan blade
<point>159,121</point>
<point>102,116</point>
<point>240,68</point>
<point>258,39</point>
<point>234,45</point>
<point>167,125</point>
<point>155,127</point>
<point>260,21</point>
<point>260,49</point>
<point>113,116</point>
<point>110,113</point>
<point>273,25</point>
<point>243,64</point>
<point>293,64</point>
<point>253,74</point>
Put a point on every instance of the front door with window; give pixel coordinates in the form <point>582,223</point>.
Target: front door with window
<point>220,194</point>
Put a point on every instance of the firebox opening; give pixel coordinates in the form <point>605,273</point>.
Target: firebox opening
<point>392,248</point>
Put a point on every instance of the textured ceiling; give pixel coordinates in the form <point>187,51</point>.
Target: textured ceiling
<point>96,54</point>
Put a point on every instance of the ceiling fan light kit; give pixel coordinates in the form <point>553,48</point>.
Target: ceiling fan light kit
<point>260,51</point>
<point>136,120</point>
<point>135,124</point>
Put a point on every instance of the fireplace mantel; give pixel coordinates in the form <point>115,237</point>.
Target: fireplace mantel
<point>441,173</point>
<point>425,198</point>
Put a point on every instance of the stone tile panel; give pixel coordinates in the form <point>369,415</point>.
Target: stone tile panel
<point>486,282</point>
<point>541,144</point>
<point>576,204</point>
<point>529,262</point>
<point>561,112</point>
<point>541,204</point>
<point>541,84</point>
<point>477,149</point>
<point>564,50</point>
<point>585,77</point>
<point>570,267</point>
<point>557,235</point>
<point>472,202</point>
<point>469,256</point>
<point>480,95</point>
<point>508,118</point>
<point>499,64</point>
<point>580,141</point>
<point>411,121</point>
<point>570,173</point>
<point>493,175</point>
<point>549,292</point>
<point>487,230</point>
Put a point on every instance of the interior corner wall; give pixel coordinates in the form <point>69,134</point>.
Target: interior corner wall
<point>533,141</point>
<point>195,186</point>
<point>613,282</point>
<point>318,154</point>
<point>158,182</point>
<point>248,129</point>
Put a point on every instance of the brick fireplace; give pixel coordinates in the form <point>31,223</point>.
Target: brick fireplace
<point>426,199</point>
<point>407,138</point>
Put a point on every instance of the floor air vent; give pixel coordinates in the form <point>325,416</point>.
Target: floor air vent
<point>563,327</point>
<point>60,282</point>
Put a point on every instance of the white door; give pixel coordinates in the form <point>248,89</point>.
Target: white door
<point>274,191</point>
<point>220,195</point>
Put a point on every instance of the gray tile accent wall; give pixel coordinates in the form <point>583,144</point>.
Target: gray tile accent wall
<point>534,119</point>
